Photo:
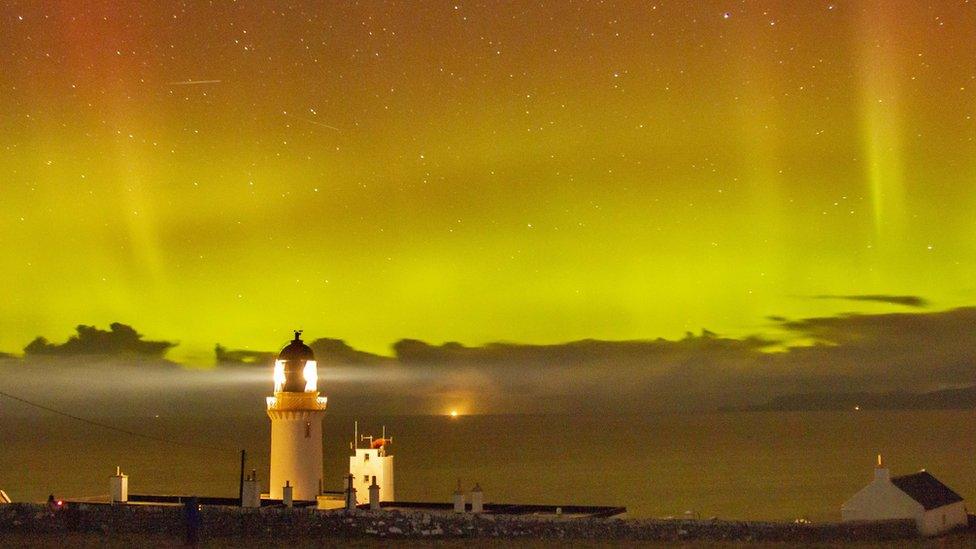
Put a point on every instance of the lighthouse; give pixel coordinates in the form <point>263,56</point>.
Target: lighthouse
<point>296,411</point>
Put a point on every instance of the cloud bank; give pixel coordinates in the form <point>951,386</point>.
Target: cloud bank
<point>906,300</point>
<point>118,340</point>
<point>872,353</point>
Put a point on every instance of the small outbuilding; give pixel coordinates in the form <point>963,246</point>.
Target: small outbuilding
<point>933,506</point>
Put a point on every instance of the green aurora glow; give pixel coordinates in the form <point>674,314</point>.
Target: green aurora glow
<point>533,172</point>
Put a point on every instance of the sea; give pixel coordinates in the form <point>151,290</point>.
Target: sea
<point>730,465</point>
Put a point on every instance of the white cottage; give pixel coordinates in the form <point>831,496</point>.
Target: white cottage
<point>933,506</point>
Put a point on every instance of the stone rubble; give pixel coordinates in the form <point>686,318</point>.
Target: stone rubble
<point>268,523</point>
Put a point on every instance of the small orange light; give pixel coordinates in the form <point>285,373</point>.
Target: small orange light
<point>454,413</point>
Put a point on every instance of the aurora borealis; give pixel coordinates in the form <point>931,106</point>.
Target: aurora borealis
<point>525,171</point>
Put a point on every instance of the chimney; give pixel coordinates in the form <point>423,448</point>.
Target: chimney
<point>458,498</point>
<point>251,496</point>
<point>374,495</point>
<point>286,494</point>
<point>881,473</point>
<point>350,494</point>
<point>118,487</point>
<point>477,499</point>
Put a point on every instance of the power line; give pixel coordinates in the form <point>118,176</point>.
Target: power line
<point>114,428</point>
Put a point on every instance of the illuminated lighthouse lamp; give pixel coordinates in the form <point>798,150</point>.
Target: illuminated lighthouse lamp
<point>295,374</point>
<point>310,374</point>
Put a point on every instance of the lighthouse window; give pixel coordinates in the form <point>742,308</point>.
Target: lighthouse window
<point>308,430</point>
<point>365,479</point>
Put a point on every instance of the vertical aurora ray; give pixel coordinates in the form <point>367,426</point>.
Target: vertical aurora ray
<point>136,210</point>
<point>881,122</point>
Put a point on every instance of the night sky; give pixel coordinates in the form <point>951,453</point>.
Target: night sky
<point>523,171</point>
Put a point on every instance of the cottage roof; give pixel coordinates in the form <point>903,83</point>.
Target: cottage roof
<point>926,489</point>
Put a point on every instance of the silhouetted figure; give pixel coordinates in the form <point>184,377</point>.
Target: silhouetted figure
<point>191,511</point>
<point>52,504</point>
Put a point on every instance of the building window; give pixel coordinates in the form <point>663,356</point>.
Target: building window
<point>308,430</point>
<point>365,479</point>
<point>366,456</point>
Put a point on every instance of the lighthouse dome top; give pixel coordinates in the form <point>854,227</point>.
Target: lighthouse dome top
<point>296,350</point>
<point>295,371</point>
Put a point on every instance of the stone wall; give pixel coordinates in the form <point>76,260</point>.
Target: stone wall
<point>281,523</point>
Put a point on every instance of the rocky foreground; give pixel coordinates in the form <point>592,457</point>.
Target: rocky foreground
<point>230,525</point>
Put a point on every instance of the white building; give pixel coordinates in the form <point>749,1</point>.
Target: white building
<point>373,462</point>
<point>933,506</point>
<point>296,411</point>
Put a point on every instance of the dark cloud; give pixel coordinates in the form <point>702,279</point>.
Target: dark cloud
<point>119,339</point>
<point>909,352</point>
<point>337,351</point>
<point>587,351</point>
<point>327,351</point>
<point>225,356</point>
<point>900,350</point>
<point>906,300</point>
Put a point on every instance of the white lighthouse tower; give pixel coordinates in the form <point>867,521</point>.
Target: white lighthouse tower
<point>296,411</point>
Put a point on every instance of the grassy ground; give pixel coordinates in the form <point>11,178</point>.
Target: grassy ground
<point>959,540</point>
